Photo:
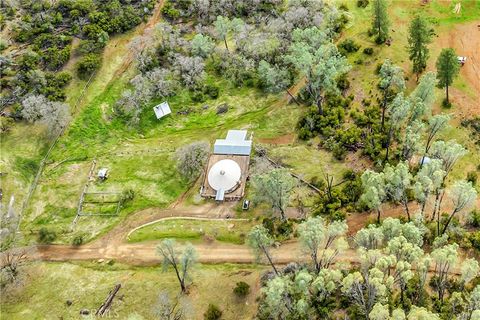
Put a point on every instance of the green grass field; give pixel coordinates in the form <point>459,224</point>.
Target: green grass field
<point>50,285</point>
<point>185,229</point>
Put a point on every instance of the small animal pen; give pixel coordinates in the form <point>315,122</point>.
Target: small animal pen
<point>100,204</point>
<point>97,203</point>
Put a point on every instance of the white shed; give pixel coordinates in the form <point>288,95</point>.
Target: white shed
<point>235,143</point>
<point>103,173</point>
<point>162,110</point>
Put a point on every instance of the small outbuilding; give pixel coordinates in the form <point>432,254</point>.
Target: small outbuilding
<point>235,143</point>
<point>227,168</point>
<point>162,110</point>
<point>102,174</point>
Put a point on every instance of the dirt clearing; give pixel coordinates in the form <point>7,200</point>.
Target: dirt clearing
<point>465,39</point>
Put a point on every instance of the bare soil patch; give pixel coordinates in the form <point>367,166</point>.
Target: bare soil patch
<point>284,139</point>
<point>465,39</point>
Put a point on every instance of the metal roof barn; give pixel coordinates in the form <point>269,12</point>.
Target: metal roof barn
<point>235,144</point>
<point>162,110</point>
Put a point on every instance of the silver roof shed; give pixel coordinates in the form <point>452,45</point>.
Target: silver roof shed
<point>162,110</point>
<point>235,143</point>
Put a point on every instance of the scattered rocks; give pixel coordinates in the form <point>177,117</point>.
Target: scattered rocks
<point>230,226</point>
<point>101,260</point>
<point>184,112</point>
<point>205,107</point>
<point>222,108</point>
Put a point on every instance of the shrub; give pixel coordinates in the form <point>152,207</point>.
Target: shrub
<point>213,313</point>
<point>277,227</point>
<point>474,219</point>
<point>368,51</point>
<point>380,40</point>
<point>472,177</point>
<point>348,46</point>
<point>77,240</point>
<point>242,289</point>
<point>211,91</point>
<point>339,152</point>
<point>343,7</point>
<point>285,228</point>
<point>343,83</point>
<point>198,96</point>
<point>474,238</point>
<point>446,104</point>
<point>88,65</point>
<point>269,224</point>
<point>127,195</point>
<point>169,11</point>
<point>89,46</point>
<point>46,236</point>
<point>362,3</point>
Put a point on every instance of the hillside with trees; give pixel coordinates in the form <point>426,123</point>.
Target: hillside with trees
<point>359,196</point>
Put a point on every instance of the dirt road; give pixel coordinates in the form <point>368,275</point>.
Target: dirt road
<point>114,246</point>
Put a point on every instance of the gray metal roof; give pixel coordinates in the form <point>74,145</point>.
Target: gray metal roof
<point>235,143</point>
<point>162,110</point>
<point>220,195</point>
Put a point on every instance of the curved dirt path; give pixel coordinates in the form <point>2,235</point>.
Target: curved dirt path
<point>113,245</point>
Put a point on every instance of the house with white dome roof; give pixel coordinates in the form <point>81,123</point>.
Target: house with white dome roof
<point>227,168</point>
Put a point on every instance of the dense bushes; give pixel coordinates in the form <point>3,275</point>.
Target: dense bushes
<point>337,200</point>
<point>474,238</point>
<point>88,65</point>
<point>348,46</point>
<point>277,227</point>
<point>55,82</point>
<point>330,126</point>
<point>47,29</point>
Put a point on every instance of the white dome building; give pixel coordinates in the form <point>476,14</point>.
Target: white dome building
<point>224,177</point>
<point>227,167</point>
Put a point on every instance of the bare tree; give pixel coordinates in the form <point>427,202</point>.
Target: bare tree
<point>12,256</point>
<point>260,241</point>
<point>38,109</point>
<point>191,159</point>
<point>182,262</point>
<point>190,70</point>
<point>463,195</point>
<point>167,308</point>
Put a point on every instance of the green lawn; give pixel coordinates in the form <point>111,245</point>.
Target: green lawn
<point>47,287</point>
<point>186,229</point>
